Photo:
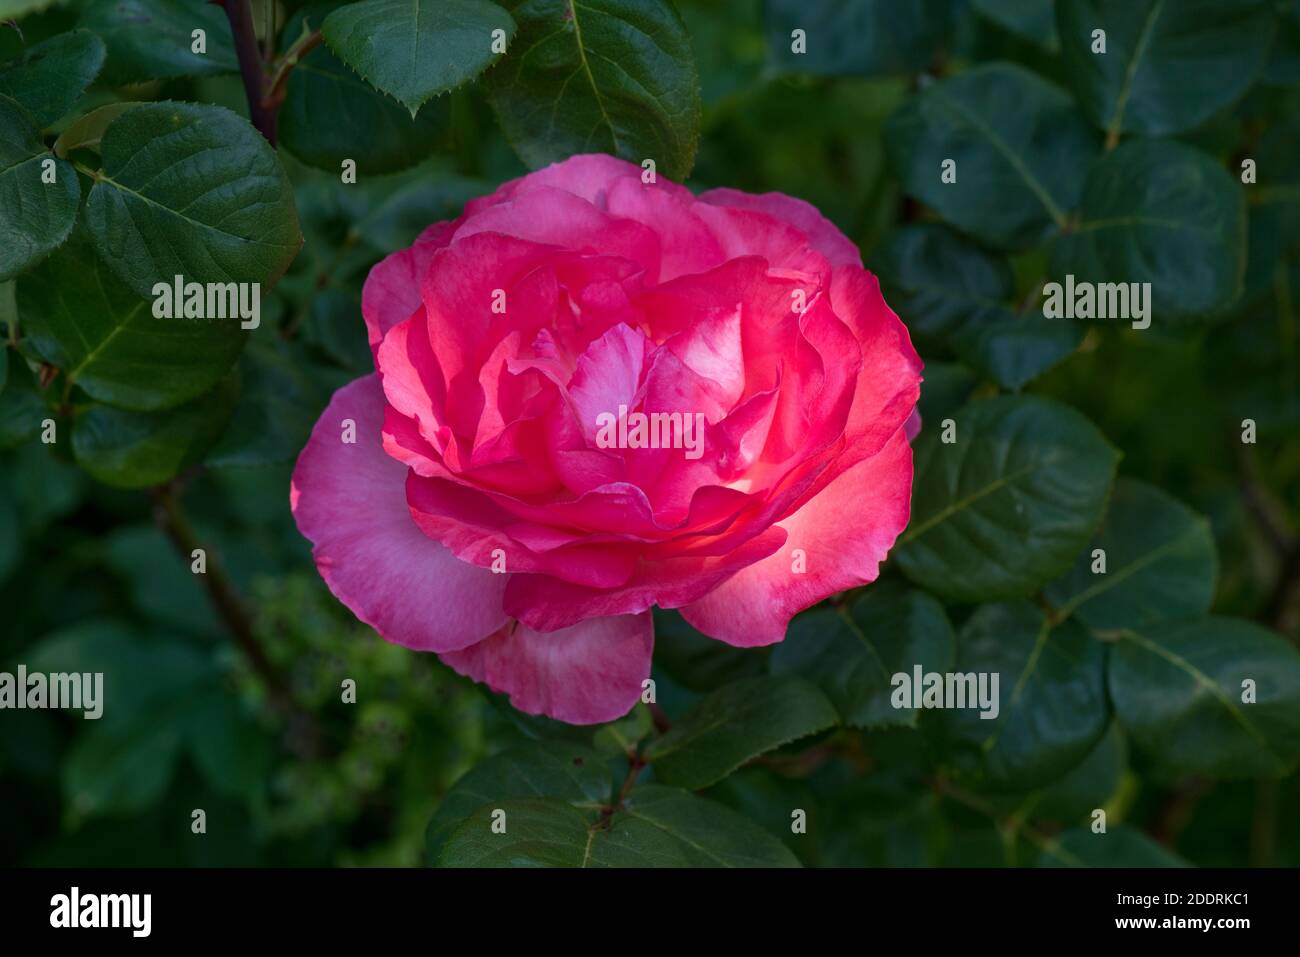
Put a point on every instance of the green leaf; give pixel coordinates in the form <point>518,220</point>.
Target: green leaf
<point>135,449</point>
<point>1091,784</point>
<point>1160,564</point>
<point>951,290</point>
<point>80,317</point>
<point>656,827</point>
<point>416,49</point>
<point>852,653</point>
<point>1052,707</point>
<point>865,38</point>
<point>695,660</point>
<point>194,191</point>
<point>1118,846</point>
<point>1284,59</point>
<point>1164,213</point>
<point>1169,64</point>
<point>613,76</point>
<point>21,406</point>
<point>1019,171</point>
<point>278,405</point>
<point>108,773</point>
<point>153,39</point>
<point>330,115</point>
<point>232,753</point>
<point>1035,20</point>
<point>143,678</point>
<point>560,770</point>
<point>735,723</point>
<point>35,217</point>
<point>48,77</point>
<point>12,9</point>
<point>1006,507</point>
<point>87,131</point>
<point>1178,688</point>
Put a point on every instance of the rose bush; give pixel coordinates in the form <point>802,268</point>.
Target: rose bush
<point>477,516</point>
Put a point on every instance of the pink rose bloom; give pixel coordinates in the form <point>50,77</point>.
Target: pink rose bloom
<point>488,510</point>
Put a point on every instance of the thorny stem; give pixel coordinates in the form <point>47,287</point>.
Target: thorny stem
<point>263,116</point>
<point>304,734</point>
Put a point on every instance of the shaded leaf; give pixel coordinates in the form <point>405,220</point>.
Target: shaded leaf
<point>1160,564</point>
<point>48,77</point>
<point>1007,506</point>
<point>613,76</point>
<point>853,652</point>
<point>1164,213</point>
<point>1118,846</point>
<point>153,39</point>
<point>1178,689</point>
<point>35,217</point>
<point>1052,707</point>
<point>82,318</point>
<point>864,38</point>
<point>951,290</point>
<point>1019,169</point>
<point>735,723</point>
<point>135,449</point>
<point>1168,65</point>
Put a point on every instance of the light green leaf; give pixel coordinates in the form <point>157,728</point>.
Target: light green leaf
<point>87,131</point>
<point>1005,508</point>
<point>194,191</point>
<point>613,76</point>
<point>1160,564</point>
<point>416,49</point>
<point>1178,690</point>
<point>735,723</point>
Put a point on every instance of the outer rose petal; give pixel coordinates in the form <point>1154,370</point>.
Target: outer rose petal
<point>350,501</point>
<point>392,289</point>
<point>586,674</point>
<point>823,235</point>
<point>845,531</point>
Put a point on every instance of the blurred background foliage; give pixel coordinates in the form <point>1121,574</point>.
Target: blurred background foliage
<point>289,774</point>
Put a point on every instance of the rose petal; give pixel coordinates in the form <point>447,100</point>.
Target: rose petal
<point>586,674</point>
<point>845,532</point>
<point>350,501</point>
